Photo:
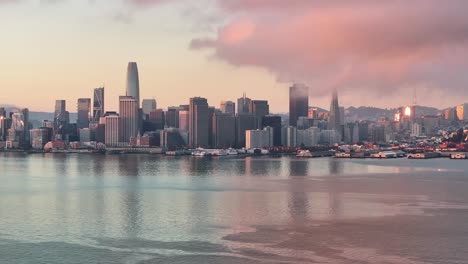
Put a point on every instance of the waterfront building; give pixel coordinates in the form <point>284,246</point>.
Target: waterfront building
<point>228,107</point>
<point>243,105</point>
<point>84,112</point>
<point>85,135</point>
<point>330,137</point>
<point>289,136</point>
<point>40,137</point>
<point>274,122</point>
<point>129,118</point>
<point>308,137</point>
<point>199,133</point>
<point>171,139</point>
<point>259,138</point>
<point>98,104</point>
<point>224,130</point>
<point>298,103</point>
<point>351,133</point>
<point>259,108</point>
<point>133,82</point>
<point>112,134</point>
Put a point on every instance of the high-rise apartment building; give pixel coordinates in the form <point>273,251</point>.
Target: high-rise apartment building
<point>462,111</point>
<point>298,102</point>
<point>84,112</point>
<point>133,82</point>
<point>199,123</point>
<point>98,104</point>
<point>129,118</point>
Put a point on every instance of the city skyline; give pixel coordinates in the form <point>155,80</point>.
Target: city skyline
<point>200,55</point>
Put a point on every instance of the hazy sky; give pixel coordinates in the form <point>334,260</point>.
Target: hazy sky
<point>374,52</point>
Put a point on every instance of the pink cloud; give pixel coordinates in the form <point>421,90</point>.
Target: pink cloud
<point>362,46</point>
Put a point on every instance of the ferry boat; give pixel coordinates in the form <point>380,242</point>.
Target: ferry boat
<point>304,154</point>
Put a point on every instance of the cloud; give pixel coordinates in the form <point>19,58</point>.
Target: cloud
<point>362,46</point>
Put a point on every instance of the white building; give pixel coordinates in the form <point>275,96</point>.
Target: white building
<point>112,130</point>
<point>259,138</point>
<point>416,130</point>
<point>308,137</point>
<point>289,136</point>
<point>330,137</point>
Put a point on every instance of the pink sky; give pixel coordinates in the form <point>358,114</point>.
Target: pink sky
<point>374,52</point>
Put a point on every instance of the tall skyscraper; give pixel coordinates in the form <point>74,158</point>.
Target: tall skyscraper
<point>148,106</point>
<point>129,121</point>
<point>98,104</point>
<point>243,105</point>
<point>198,123</point>
<point>334,119</point>
<point>133,82</point>
<point>84,112</point>
<point>61,115</point>
<point>259,108</point>
<point>228,107</point>
<point>2,112</point>
<point>298,103</point>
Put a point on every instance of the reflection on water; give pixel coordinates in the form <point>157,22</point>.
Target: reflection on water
<point>72,198</point>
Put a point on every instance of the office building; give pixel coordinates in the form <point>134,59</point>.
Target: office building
<point>129,118</point>
<point>40,137</point>
<point>5,124</point>
<point>171,139</point>
<point>330,137</point>
<point>172,117</point>
<point>308,137</point>
<point>112,129</point>
<point>3,112</point>
<point>450,114</point>
<point>259,108</point>
<point>84,112</point>
<point>157,121</point>
<point>244,122</point>
<point>224,130</point>
<point>133,82</point>
<point>298,103</point>
<point>289,136</point>
<point>259,138</point>
<point>199,123</point>
<point>334,119</point>
<point>148,106</point>
<point>61,115</point>
<point>243,105</point>
<point>228,107</point>
<point>98,104</point>
<point>275,123</point>
<point>184,120</point>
